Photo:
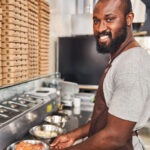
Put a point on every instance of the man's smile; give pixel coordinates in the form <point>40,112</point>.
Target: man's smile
<point>103,38</point>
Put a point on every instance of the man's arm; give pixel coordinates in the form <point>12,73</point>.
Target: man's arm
<point>81,132</point>
<point>113,136</point>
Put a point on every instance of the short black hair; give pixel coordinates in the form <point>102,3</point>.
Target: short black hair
<point>126,5</point>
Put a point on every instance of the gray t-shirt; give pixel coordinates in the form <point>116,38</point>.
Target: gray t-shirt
<point>127,87</point>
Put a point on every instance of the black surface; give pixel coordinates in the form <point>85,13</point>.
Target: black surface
<point>79,60</point>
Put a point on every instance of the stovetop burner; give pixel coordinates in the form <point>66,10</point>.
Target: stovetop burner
<point>14,104</point>
<point>23,102</point>
<point>27,99</point>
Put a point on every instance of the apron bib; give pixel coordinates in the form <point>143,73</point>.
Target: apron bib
<point>99,117</point>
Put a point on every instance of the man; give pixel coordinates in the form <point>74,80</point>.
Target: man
<point>122,100</point>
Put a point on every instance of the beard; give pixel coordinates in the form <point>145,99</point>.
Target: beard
<point>115,43</point>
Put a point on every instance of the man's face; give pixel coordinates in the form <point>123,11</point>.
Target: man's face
<point>109,24</point>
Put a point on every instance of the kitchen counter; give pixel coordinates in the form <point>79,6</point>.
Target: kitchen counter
<point>80,116</point>
<point>76,118</point>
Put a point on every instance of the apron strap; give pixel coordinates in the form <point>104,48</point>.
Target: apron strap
<point>135,133</point>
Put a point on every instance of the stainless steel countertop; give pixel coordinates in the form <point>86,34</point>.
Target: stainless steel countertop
<point>76,118</point>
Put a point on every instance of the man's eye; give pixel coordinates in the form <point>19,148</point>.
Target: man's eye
<point>109,19</point>
<point>95,21</point>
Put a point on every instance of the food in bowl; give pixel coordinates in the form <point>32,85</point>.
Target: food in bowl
<point>46,131</point>
<point>28,146</point>
<point>45,134</point>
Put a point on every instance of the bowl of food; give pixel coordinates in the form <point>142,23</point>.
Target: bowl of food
<point>46,132</point>
<point>28,144</point>
<point>56,120</point>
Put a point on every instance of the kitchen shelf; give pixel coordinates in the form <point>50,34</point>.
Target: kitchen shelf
<point>37,78</point>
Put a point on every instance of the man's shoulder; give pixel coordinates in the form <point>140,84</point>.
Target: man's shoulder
<point>136,51</point>
<point>134,55</point>
<point>132,60</point>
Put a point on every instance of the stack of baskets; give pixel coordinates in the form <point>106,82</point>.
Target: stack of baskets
<point>44,32</point>
<point>24,40</point>
<point>0,44</point>
<point>14,41</point>
<point>33,37</point>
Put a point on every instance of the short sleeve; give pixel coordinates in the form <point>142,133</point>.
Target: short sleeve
<point>129,97</point>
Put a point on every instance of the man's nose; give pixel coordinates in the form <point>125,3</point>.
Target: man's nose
<point>102,26</point>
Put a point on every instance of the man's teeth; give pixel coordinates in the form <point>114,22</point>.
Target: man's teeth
<point>103,37</point>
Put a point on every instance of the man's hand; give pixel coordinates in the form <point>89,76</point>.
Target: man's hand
<point>67,140</point>
<point>63,141</point>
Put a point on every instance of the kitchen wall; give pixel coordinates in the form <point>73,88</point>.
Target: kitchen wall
<point>60,24</point>
<point>139,11</point>
<point>67,20</point>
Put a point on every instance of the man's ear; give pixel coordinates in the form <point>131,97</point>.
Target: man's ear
<point>129,18</point>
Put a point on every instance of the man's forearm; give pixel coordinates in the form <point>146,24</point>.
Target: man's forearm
<point>81,132</point>
<point>101,140</point>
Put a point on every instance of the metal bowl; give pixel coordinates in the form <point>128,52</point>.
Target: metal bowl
<point>61,113</point>
<point>13,146</point>
<point>46,132</point>
<point>56,120</point>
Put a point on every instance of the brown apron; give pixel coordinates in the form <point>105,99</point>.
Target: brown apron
<point>99,117</point>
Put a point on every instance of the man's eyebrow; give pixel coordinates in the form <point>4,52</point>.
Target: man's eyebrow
<point>94,17</point>
<point>107,15</point>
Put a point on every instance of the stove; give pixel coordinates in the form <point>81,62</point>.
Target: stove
<point>19,114</point>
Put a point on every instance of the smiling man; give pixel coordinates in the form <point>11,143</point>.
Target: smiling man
<point>122,101</point>
<point>112,31</point>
